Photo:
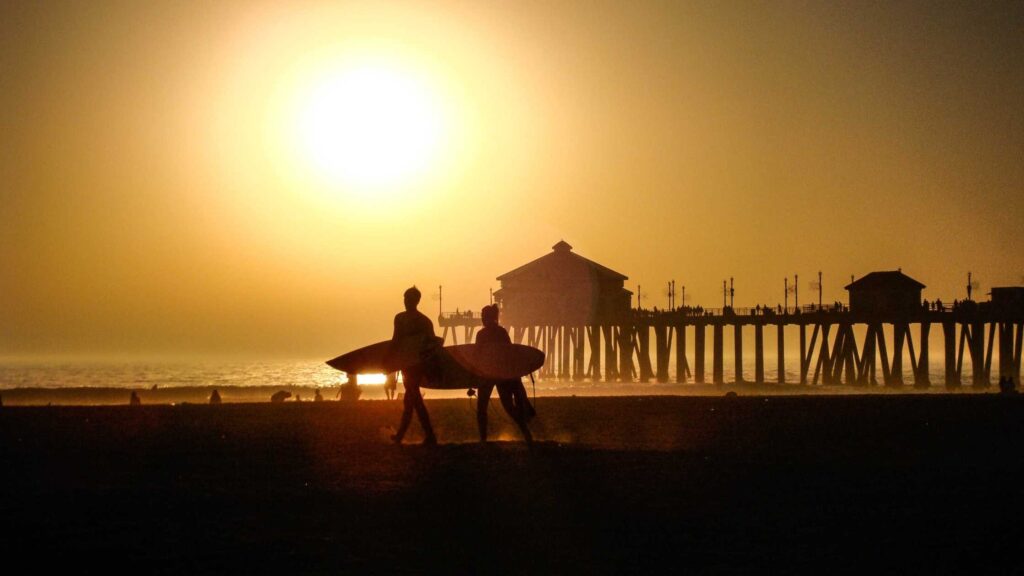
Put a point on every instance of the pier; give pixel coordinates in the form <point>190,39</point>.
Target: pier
<point>579,313</point>
<point>830,351</point>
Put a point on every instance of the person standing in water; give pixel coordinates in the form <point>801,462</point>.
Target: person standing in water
<point>512,393</point>
<point>413,324</point>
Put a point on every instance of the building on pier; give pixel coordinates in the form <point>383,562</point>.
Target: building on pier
<point>563,288</point>
<point>891,292</point>
<point>1009,298</point>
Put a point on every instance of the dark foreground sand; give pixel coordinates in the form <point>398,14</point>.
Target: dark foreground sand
<point>907,484</point>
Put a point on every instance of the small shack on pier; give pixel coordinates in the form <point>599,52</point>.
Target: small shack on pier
<point>1008,299</point>
<point>562,288</point>
<point>885,293</point>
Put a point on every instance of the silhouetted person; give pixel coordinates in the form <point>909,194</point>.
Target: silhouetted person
<point>317,397</point>
<point>391,385</point>
<point>511,392</point>
<point>350,389</point>
<point>134,400</point>
<point>215,397</point>
<point>280,396</point>
<point>413,324</point>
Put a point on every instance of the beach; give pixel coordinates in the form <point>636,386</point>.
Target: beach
<point>922,483</point>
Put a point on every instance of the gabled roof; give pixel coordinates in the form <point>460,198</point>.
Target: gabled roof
<point>561,254</point>
<point>893,279</point>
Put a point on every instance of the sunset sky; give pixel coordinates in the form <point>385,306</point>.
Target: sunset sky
<point>265,179</point>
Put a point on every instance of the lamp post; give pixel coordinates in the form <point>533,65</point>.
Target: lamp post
<point>819,289</point>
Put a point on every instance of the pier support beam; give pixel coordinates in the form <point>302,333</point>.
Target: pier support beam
<point>643,339</point>
<point>626,353</point>
<point>611,369</point>
<point>682,368</point>
<point>662,349</point>
<point>977,349</point>
<point>922,379</point>
<point>594,368</point>
<point>759,353</point>
<point>804,361</point>
<point>1017,354</point>
<point>738,351</point>
<point>949,352</point>
<point>717,375</point>
<point>899,333</point>
<point>866,366</point>
<point>579,342</point>
<point>782,352</point>
<point>698,353</point>
<point>564,372</point>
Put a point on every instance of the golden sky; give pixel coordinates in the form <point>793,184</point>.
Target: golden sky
<point>163,190</point>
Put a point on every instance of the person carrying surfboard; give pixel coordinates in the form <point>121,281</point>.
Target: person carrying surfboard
<point>413,324</point>
<point>512,393</point>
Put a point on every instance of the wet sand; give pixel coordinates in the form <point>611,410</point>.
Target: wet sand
<point>917,483</point>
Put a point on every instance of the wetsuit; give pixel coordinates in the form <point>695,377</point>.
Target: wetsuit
<point>512,393</point>
<point>410,324</point>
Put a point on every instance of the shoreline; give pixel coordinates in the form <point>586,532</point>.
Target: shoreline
<point>231,394</point>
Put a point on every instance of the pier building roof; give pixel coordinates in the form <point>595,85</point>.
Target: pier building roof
<point>562,256</point>
<point>562,288</point>
<point>888,280</point>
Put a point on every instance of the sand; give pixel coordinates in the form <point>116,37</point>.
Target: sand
<point>613,485</point>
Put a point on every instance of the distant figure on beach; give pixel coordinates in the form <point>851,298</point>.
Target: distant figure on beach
<point>414,324</point>
<point>391,385</point>
<point>280,396</point>
<point>350,389</point>
<point>134,400</point>
<point>215,397</point>
<point>317,397</point>
<point>512,393</point>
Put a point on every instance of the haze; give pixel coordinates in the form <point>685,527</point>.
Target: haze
<point>155,200</point>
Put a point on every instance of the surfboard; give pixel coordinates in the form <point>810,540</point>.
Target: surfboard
<point>454,367</point>
<point>497,361</point>
<point>387,356</point>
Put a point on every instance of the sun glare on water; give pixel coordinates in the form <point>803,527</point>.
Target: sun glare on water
<point>368,379</point>
<point>369,126</point>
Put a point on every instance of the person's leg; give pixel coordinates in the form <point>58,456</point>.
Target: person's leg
<point>403,425</point>
<point>408,403</point>
<point>413,392</point>
<point>506,393</point>
<point>522,399</point>
<point>483,398</point>
<point>508,401</point>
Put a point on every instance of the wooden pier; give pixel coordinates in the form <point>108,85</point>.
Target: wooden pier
<point>830,350</point>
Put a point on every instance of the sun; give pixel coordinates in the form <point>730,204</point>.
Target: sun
<point>369,126</point>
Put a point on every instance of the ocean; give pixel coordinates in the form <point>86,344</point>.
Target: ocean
<point>111,382</point>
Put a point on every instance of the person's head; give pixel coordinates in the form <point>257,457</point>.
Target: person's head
<point>489,315</point>
<point>412,298</point>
